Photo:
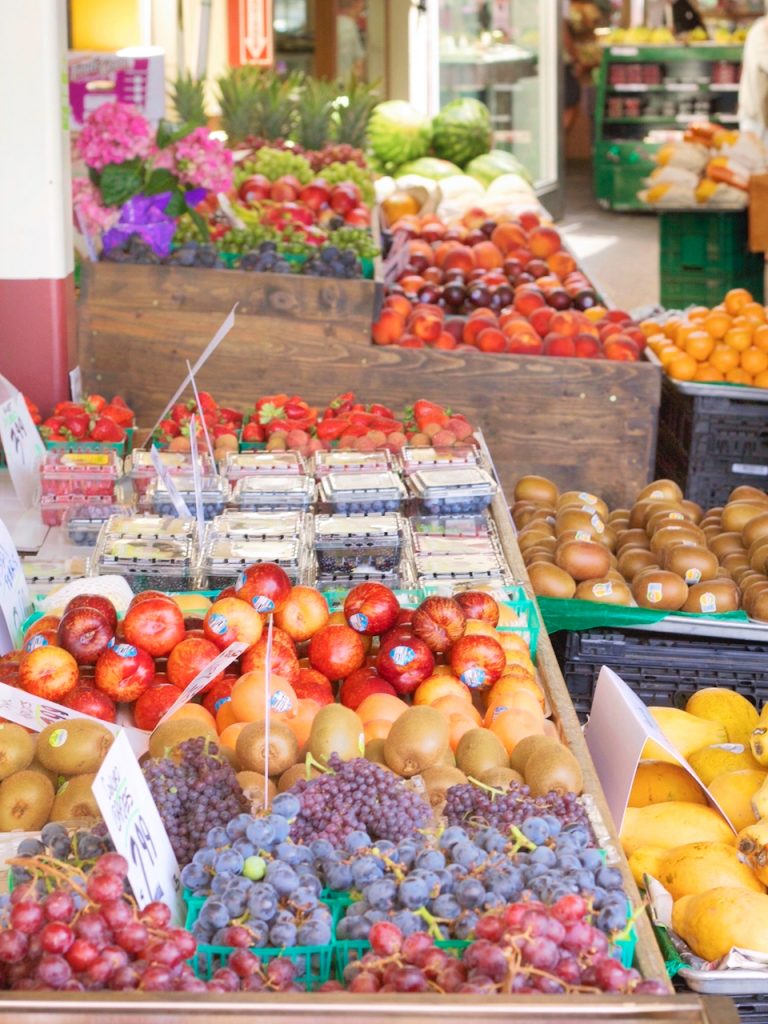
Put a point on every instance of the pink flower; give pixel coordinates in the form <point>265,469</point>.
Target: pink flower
<point>112,134</point>
<point>91,216</point>
<point>203,162</point>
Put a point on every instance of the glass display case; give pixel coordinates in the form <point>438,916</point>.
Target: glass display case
<point>506,53</point>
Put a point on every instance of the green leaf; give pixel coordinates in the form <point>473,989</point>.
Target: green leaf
<point>177,204</point>
<point>200,223</point>
<point>121,181</point>
<point>160,180</point>
<point>168,133</point>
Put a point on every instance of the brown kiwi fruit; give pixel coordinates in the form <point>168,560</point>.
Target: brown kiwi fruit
<point>417,740</point>
<point>758,606</point>
<point>336,729</point>
<point>617,514</point>
<point>521,512</point>
<point>737,514</point>
<point>634,560</point>
<point>538,489</point>
<point>252,750</point>
<point>680,533</point>
<point>583,560</point>
<point>726,543</point>
<point>295,774</point>
<point>758,555</point>
<point>501,778</point>
<point>746,493</point>
<point>549,769</point>
<point>526,747</point>
<point>755,529</point>
<point>636,538</point>
<point>550,580</point>
<point>75,799</point>
<point>657,588</point>
<point>534,555</point>
<point>479,750</point>
<point>438,780</point>
<point>168,735</point>
<point>604,591</point>
<point>691,561</point>
<point>17,749</point>
<point>374,751</point>
<point>661,490</point>
<point>694,511</point>
<point>75,747</point>
<point>26,799</point>
<point>735,561</point>
<point>713,597</point>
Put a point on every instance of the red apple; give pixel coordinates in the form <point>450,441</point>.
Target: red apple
<point>439,622</point>
<point>336,651</point>
<point>156,626</point>
<point>265,585</point>
<point>254,189</point>
<point>316,194</point>
<point>229,619</point>
<point>49,672</point>
<point>41,639</point>
<point>153,704</point>
<point>371,608</point>
<point>285,189</point>
<point>124,672</point>
<point>85,633</point>
<point>188,659</point>
<point>359,217</point>
<point>91,702</point>
<point>218,693</point>
<point>344,197</point>
<point>149,595</point>
<point>404,661</point>
<point>361,684</point>
<point>313,685</point>
<point>99,602</point>
<point>476,604</point>
<point>283,662</point>
<point>305,611</point>
<point>46,625</point>
<point>478,660</point>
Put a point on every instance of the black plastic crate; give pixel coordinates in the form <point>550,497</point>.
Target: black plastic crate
<point>752,1009</point>
<point>710,445</point>
<point>663,670</point>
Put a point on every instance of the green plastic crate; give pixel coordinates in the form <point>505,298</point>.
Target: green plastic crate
<point>705,287</point>
<point>122,448</point>
<point>315,962</point>
<point>711,242</point>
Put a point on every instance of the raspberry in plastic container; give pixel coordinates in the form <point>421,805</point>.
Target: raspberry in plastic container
<point>85,474</point>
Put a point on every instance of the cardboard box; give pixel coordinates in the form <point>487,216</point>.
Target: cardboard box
<point>134,76</point>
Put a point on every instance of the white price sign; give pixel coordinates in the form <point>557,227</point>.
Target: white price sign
<point>76,384</point>
<point>15,604</point>
<point>173,493</point>
<point>197,480</point>
<point>137,830</point>
<point>23,446</point>
<point>206,676</point>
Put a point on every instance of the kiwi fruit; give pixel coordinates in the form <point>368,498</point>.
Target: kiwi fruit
<point>374,751</point>
<point>661,490</point>
<point>550,580</point>
<point>583,559</point>
<point>35,766</point>
<point>253,750</point>
<point>75,747</point>
<point>737,514</point>
<point>755,529</point>
<point>17,749</point>
<point>296,773</point>
<point>438,780</point>
<point>478,751</point>
<point>252,785</point>
<point>336,730</point>
<point>416,741</point>
<point>500,778</point>
<point>550,769</point>
<point>537,489</point>
<point>26,799</point>
<point>634,560</point>
<point>528,746</point>
<point>448,759</point>
<point>169,734</point>
<point>75,799</point>
<point>604,591</point>
<point>656,588</point>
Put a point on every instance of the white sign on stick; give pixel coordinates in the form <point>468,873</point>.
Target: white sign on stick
<point>137,830</point>
<point>22,444</point>
<point>163,472</point>
<point>619,726</point>
<point>206,675</point>
<point>15,604</point>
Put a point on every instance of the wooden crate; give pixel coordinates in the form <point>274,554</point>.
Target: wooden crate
<point>588,424</point>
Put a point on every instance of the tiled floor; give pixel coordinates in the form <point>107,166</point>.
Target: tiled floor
<point>619,251</point>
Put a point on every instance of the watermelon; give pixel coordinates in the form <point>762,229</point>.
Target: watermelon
<point>489,166</point>
<point>397,133</point>
<point>461,131</point>
<point>429,167</point>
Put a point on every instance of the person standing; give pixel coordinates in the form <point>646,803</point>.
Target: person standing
<point>753,85</point>
<point>350,52</point>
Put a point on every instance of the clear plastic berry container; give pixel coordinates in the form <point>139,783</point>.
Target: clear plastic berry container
<point>44,575</point>
<point>273,491</point>
<point>225,558</point>
<point>148,563</point>
<point>149,527</point>
<point>83,521</point>
<point>343,461</point>
<point>402,577</point>
<point>446,458</point>
<point>459,567</point>
<point>54,509</point>
<point>214,495</point>
<point>261,525</point>
<point>353,493</point>
<point>359,543</point>
<point>84,474</point>
<point>239,464</point>
<point>452,526</point>
<point>142,472</point>
<point>438,491</point>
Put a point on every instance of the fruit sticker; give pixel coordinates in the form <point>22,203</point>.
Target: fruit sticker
<point>402,655</point>
<point>708,602</point>
<point>220,703</point>
<point>280,701</point>
<point>34,642</point>
<point>361,743</point>
<point>473,677</point>
<point>603,589</point>
<point>692,575</point>
<point>359,621</point>
<point>262,603</point>
<point>125,650</point>
<point>218,623</point>
<point>499,711</point>
<point>590,499</point>
<point>57,738</point>
<point>654,592</point>
<point>583,535</point>
<point>598,524</point>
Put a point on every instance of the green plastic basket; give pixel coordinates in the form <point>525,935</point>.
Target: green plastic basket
<point>348,950</point>
<point>193,904</point>
<point>122,448</point>
<point>314,962</point>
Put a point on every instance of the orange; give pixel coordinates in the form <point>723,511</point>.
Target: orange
<point>457,726</point>
<point>738,338</point>
<point>760,337</point>
<point>682,367</point>
<point>670,327</point>
<point>698,312</point>
<point>225,716</point>
<point>761,380</point>
<point>249,698</point>
<point>456,706</point>
<point>595,313</point>
<point>435,687</point>
<point>514,646</point>
<point>699,345</point>
<point>512,684</point>
<point>228,737</point>
<point>738,376</point>
<point>381,705</point>
<point>301,723</point>
<point>667,354</point>
<point>376,729</point>
<point>480,626</point>
<point>513,726</point>
<point>196,711</point>
<point>736,299</point>
<point>684,331</point>
<point>754,312</point>
<point>724,357</point>
<point>508,619</point>
<point>707,374</point>
<point>514,700</point>
<point>716,324</point>
<point>648,327</point>
<point>443,670</point>
<point>754,360</point>
<point>657,341</point>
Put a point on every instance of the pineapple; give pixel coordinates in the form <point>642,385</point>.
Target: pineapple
<point>315,113</point>
<point>352,116</point>
<point>239,99</point>
<point>188,99</point>
<point>277,105</point>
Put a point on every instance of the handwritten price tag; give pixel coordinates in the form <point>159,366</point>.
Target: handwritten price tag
<point>137,830</point>
<point>24,448</point>
<point>209,673</point>
<point>76,384</point>
<point>15,604</point>
<point>173,493</point>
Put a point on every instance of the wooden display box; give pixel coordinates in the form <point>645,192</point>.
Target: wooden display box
<point>588,424</point>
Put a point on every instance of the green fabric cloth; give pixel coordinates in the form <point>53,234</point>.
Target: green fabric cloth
<point>566,613</point>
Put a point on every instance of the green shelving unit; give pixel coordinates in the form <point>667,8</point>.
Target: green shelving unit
<point>644,93</point>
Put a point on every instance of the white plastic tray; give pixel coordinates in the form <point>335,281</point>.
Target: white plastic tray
<point>726,983</point>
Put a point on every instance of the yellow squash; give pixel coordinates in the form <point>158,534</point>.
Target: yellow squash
<point>694,868</point>
<point>714,921</point>
<point>752,844</point>
<point>671,824</point>
<point>735,792</point>
<point>709,762</point>
<point>728,708</point>
<point>657,782</point>
<point>685,732</point>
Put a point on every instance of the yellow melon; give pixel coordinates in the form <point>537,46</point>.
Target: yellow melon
<point>712,922</point>
<point>698,867</point>
<point>728,708</point>
<point>684,731</point>
<point>671,824</point>
<point>711,761</point>
<point>657,782</point>
<point>734,792</point>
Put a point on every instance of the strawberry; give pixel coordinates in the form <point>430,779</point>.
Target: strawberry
<point>169,427</point>
<point>182,411</point>
<point>227,415</point>
<point>253,432</point>
<point>120,414</point>
<point>95,403</point>
<point>207,402</point>
<point>224,428</point>
<point>67,409</point>
<point>105,429</point>
<point>77,426</point>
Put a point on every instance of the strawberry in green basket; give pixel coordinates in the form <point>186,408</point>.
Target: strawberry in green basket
<point>105,429</point>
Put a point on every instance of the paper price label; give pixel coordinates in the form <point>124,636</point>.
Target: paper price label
<point>137,830</point>
<point>197,480</point>
<point>398,257</point>
<point>24,448</point>
<point>209,673</point>
<point>162,471</point>
<point>76,384</point>
<point>15,604</point>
